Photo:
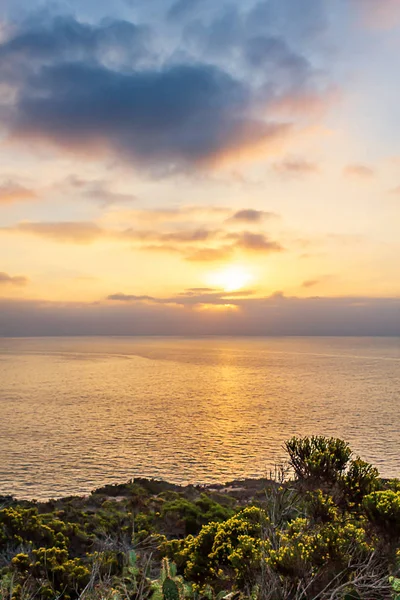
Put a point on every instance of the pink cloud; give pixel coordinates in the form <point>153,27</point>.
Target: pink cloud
<point>379,14</point>
<point>358,170</point>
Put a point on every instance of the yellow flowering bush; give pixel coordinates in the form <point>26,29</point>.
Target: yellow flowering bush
<point>223,552</point>
<point>383,511</point>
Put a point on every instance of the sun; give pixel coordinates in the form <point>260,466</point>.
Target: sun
<point>231,279</point>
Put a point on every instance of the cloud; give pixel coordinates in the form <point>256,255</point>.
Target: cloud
<point>132,298</point>
<point>305,103</point>
<point>179,237</point>
<point>97,190</point>
<point>44,38</point>
<point>249,215</point>
<point>193,244</point>
<point>358,170</point>
<point>65,232</point>
<point>11,191</point>
<point>103,88</point>
<point>310,283</point>
<point>6,279</point>
<point>177,116</point>
<point>220,246</point>
<point>263,51</point>
<point>179,214</point>
<point>190,297</point>
<point>277,43</point>
<point>273,315</point>
<point>295,167</point>
<point>220,254</point>
<point>182,8</point>
<point>268,32</point>
<point>255,242</point>
<point>378,14</point>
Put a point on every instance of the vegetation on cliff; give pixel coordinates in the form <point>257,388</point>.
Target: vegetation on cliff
<point>331,531</point>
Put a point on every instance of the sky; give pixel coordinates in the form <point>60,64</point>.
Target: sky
<point>194,167</point>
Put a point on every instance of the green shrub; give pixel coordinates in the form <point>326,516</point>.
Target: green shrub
<point>50,572</point>
<point>321,508</point>
<point>181,513</point>
<point>338,524</point>
<point>318,459</point>
<point>383,511</point>
<point>304,549</point>
<point>360,480</point>
<point>225,552</point>
<point>24,526</point>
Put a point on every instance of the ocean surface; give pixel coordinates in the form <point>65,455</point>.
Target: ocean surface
<point>76,413</point>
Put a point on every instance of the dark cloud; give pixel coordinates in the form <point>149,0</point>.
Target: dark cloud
<point>6,279</point>
<point>360,171</point>
<point>258,30</point>
<point>96,88</point>
<point>183,8</point>
<point>276,315</point>
<point>300,21</point>
<point>275,41</point>
<point>47,38</point>
<point>12,191</point>
<point>175,116</point>
<point>219,35</point>
<point>264,52</point>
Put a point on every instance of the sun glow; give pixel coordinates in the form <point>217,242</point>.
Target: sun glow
<point>231,279</point>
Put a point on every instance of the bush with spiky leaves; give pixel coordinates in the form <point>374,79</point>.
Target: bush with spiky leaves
<point>318,459</point>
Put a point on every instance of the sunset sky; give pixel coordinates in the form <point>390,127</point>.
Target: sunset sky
<point>194,166</point>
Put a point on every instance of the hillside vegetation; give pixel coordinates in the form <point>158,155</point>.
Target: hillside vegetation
<point>330,531</point>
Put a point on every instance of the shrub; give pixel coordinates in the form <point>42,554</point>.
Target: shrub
<point>383,511</point>
<point>304,549</point>
<point>224,552</point>
<point>50,572</point>
<point>360,480</point>
<point>25,526</point>
<point>321,507</point>
<point>318,459</point>
<point>180,513</point>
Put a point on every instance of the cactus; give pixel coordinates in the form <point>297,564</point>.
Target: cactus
<point>165,570</point>
<point>170,590</point>
<point>168,586</point>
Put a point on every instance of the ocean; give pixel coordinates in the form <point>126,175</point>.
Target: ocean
<point>76,413</point>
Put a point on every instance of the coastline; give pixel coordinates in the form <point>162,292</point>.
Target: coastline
<point>330,531</point>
